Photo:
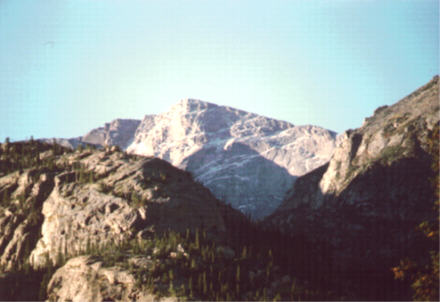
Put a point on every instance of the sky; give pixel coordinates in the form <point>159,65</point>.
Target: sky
<point>67,67</point>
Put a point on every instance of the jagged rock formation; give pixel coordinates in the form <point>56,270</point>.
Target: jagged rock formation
<point>119,132</point>
<point>57,203</point>
<point>368,200</point>
<point>349,221</point>
<point>96,196</point>
<point>245,159</point>
<point>85,278</point>
<point>121,223</point>
<point>130,227</point>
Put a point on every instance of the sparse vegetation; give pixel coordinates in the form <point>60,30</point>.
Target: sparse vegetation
<point>391,153</point>
<point>246,263</point>
<point>24,155</point>
<point>422,274</point>
<point>192,266</point>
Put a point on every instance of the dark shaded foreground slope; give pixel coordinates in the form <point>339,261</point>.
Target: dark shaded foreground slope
<point>368,202</point>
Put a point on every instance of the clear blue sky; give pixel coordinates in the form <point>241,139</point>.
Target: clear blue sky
<point>69,66</point>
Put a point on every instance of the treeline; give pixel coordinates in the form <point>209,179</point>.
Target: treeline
<point>22,155</point>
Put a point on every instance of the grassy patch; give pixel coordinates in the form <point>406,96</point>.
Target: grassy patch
<point>390,154</point>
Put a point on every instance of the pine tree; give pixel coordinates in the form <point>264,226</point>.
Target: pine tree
<point>237,280</point>
<point>244,253</point>
<point>81,175</point>
<point>135,199</point>
<point>5,199</point>
<point>91,177</point>
<point>205,284</point>
<point>292,290</point>
<point>425,277</point>
<point>196,240</point>
<point>190,287</point>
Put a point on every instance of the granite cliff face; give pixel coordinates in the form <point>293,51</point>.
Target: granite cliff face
<point>95,196</point>
<point>368,200</point>
<point>85,278</point>
<point>393,136</point>
<point>90,206</point>
<point>245,159</point>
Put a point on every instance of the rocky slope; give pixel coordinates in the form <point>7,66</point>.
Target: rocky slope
<point>99,225</point>
<point>97,196</point>
<point>119,132</point>
<point>245,159</point>
<point>85,278</point>
<point>368,200</point>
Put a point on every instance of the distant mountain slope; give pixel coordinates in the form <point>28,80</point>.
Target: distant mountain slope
<point>368,200</point>
<point>119,132</point>
<point>248,160</point>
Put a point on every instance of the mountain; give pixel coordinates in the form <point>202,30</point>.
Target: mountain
<point>368,201</point>
<point>249,161</point>
<point>99,224</point>
<point>245,159</point>
<point>119,132</point>
<point>103,225</point>
<point>96,196</point>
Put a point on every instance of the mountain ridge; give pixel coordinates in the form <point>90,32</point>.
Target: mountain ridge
<point>226,142</point>
<point>220,137</point>
<point>98,224</point>
<point>369,200</point>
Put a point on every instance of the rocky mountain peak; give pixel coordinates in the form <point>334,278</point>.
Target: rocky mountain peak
<point>192,105</point>
<point>255,157</point>
<point>118,132</point>
<point>393,132</point>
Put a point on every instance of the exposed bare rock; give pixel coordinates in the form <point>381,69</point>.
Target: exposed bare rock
<point>250,161</point>
<point>146,193</point>
<point>85,279</point>
<point>391,137</point>
<point>97,202</point>
<point>69,200</point>
<point>368,200</point>
<point>392,133</point>
<point>118,132</point>
<point>20,221</point>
